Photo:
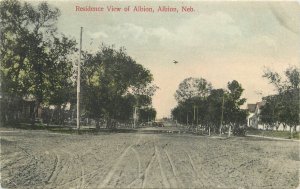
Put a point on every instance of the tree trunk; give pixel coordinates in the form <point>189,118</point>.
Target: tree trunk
<point>59,116</point>
<point>35,111</point>
<point>97,123</point>
<point>108,123</point>
<point>284,126</point>
<point>277,126</point>
<point>51,118</point>
<point>6,117</point>
<point>229,130</point>
<point>62,119</point>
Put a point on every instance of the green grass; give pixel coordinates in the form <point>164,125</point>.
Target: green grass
<point>277,134</point>
<point>67,129</point>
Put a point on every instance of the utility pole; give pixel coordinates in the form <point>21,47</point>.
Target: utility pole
<point>78,82</point>
<point>187,119</point>
<point>197,116</point>
<point>134,117</point>
<point>222,115</point>
<point>194,117</point>
<point>197,120</point>
<point>194,113</point>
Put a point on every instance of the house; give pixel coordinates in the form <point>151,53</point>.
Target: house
<point>253,120</point>
<point>17,108</point>
<point>254,110</point>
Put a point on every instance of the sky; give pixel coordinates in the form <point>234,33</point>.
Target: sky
<point>220,41</point>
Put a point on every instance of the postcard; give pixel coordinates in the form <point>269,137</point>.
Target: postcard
<point>149,94</point>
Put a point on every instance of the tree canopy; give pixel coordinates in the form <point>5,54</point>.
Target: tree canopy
<point>37,62</point>
<point>282,107</point>
<point>113,84</point>
<point>35,58</point>
<point>192,87</point>
<point>199,103</point>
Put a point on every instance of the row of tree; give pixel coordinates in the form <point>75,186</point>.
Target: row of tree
<point>37,62</point>
<point>201,105</point>
<point>283,107</point>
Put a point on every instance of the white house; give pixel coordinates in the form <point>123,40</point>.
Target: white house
<point>254,110</point>
<point>253,118</point>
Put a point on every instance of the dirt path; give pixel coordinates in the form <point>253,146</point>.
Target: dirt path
<point>134,160</point>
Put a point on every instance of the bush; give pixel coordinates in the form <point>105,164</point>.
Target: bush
<point>239,131</point>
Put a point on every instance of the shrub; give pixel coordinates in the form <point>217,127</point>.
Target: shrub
<point>239,131</point>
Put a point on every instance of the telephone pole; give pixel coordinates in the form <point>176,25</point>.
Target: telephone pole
<point>197,122</point>
<point>194,113</point>
<point>134,117</point>
<point>187,118</point>
<point>78,82</point>
<point>194,121</point>
<point>222,115</point>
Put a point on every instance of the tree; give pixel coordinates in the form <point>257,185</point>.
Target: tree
<point>269,114</point>
<point>214,113</point>
<point>35,61</point>
<point>192,87</point>
<point>214,109</point>
<point>179,113</point>
<point>293,78</point>
<point>289,109</point>
<point>233,115</point>
<point>147,114</point>
<point>114,83</point>
<point>286,100</point>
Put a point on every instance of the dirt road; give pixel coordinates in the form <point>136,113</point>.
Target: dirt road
<point>31,159</point>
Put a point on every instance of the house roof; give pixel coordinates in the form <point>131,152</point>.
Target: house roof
<point>260,104</point>
<point>251,107</point>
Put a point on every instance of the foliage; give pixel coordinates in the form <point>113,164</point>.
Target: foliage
<point>147,114</point>
<point>113,83</point>
<point>269,114</point>
<point>239,131</point>
<point>35,59</point>
<point>192,87</point>
<point>36,63</point>
<point>215,108</point>
<point>283,107</point>
<point>233,115</point>
<point>272,133</point>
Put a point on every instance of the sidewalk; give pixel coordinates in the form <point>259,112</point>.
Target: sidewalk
<point>274,138</point>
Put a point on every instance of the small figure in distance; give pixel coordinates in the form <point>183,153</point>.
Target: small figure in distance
<point>175,62</point>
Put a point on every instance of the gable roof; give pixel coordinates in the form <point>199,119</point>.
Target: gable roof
<point>260,104</point>
<point>251,107</point>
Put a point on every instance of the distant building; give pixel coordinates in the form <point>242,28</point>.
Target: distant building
<point>17,108</point>
<point>254,110</point>
<point>253,120</point>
